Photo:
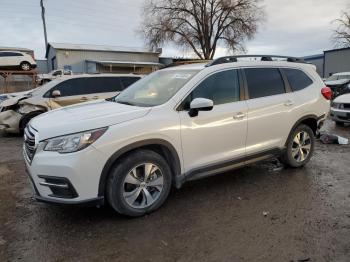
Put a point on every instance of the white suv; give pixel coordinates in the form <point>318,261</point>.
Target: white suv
<point>15,59</point>
<point>173,126</point>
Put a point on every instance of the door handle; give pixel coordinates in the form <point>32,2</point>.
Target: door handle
<point>84,98</point>
<point>239,116</point>
<point>95,97</point>
<point>289,103</point>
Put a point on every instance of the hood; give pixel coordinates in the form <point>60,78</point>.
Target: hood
<point>337,82</point>
<point>343,99</point>
<point>84,117</point>
<point>14,99</point>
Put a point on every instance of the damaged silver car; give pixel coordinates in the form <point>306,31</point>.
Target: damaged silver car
<point>16,111</point>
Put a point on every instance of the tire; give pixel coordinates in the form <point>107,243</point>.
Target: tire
<point>339,123</point>
<point>25,120</point>
<point>25,66</point>
<point>300,147</point>
<point>129,193</point>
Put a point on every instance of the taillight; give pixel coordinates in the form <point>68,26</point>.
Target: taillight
<point>327,93</point>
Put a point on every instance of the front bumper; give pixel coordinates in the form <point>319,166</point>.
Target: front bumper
<point>9,121</point>
<point>340,115</point>
<point>66,179</point>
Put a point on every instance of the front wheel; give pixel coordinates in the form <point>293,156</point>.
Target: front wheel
<point>139,183</point>
<point>300,147</point>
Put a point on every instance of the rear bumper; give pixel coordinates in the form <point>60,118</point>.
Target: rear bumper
<point>340,115</point>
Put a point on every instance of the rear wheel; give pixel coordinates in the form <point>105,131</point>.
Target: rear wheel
<point>139,183</point>
<point>25,66</point>
<point>300,147</point>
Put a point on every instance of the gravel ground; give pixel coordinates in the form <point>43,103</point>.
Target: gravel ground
<point>258,213</point>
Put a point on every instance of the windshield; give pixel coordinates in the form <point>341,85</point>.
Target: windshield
<point>156,88</point>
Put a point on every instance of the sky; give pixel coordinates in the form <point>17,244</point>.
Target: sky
<point>291,27</point>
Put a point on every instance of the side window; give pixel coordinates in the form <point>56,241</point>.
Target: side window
<point>14,54</point>
<point>72,87</point>
<point>128,81</point>
<point>297,79</point>
<point>104,85</point>
<point>222,87</point>
<point>4,54</point>
<point>264,82</point>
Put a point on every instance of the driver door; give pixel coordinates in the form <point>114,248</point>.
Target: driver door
<point>72,91</point>
<point>217,136</point>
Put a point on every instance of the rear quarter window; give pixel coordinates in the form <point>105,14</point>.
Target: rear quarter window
<point>297,79</point>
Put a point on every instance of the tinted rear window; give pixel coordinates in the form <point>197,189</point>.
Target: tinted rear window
<point>128,81</point>
<point>264,82</point>
<point>297,79</point>
<point>104,85</point>
<point>89,85</point>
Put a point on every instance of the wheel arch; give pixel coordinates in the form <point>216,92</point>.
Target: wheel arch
<point>309,120</point>
<point>163,147</point>
<point>25,61</point>
<point>30,115</point>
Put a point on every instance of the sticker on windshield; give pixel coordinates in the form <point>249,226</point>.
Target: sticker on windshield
<point>181,76</point>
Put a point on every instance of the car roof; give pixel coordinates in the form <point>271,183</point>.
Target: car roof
<point>201,66</point>
<point>64,77</point>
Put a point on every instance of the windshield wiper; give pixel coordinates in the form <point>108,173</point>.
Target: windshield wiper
<point>125,103</point>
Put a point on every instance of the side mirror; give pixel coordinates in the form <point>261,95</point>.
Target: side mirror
<point>56,93</point>
<point>200,104</point>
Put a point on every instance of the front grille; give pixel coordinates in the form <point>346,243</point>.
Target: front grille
<point>346,106</point>
<point>29,142</point>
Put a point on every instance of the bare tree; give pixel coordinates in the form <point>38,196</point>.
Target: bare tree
<point>201,25</point>
<point>342,33</point>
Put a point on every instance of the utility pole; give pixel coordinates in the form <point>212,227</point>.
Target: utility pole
<point>44,24</point>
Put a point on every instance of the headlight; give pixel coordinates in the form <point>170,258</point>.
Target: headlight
<point>73,143</point>
<point>335,105</point>
<point>3,98</point>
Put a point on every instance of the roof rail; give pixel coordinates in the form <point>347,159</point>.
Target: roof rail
<point>232,59</point>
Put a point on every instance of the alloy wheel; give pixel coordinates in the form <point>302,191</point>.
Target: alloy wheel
<point>143,185</point>
<point>25,67</point>
<point>301,146</point>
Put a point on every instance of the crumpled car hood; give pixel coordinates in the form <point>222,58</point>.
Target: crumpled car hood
<point>337,82</point>
<point>86,116</point>
<point>14,100</point>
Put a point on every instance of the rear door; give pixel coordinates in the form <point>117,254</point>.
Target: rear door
<point>14,59</point>
<point>4,59</point>
<point>106,87</point>
<point>270,109</point>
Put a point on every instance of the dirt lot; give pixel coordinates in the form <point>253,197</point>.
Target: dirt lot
<point>215,219</point>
